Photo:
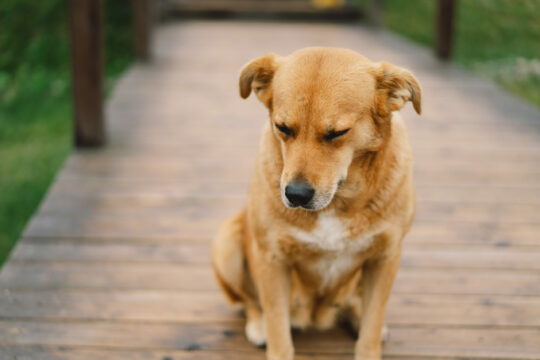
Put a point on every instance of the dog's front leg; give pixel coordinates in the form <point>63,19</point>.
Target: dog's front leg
<point>377,281</point>
<point>273,284</point>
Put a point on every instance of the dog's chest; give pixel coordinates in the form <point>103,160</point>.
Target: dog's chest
<point>338,249</point>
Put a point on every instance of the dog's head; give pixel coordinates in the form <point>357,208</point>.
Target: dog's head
<point>327,107</point>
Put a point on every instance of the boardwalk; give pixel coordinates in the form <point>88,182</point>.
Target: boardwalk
<point>115,264</point>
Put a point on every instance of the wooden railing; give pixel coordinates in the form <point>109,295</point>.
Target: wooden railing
<point>86,28</point>
<point>86,24</point>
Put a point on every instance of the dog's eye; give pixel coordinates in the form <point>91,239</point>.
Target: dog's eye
<point>284,129</point>
<point>334,134</point>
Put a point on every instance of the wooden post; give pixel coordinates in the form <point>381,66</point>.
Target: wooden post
<point>445,28</point>
<point>143,18</point>
<point>86,27</point>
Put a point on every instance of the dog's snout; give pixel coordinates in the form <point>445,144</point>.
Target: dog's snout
<point>299,193</point>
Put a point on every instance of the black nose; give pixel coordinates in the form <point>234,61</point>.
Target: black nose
<point>299,193</point>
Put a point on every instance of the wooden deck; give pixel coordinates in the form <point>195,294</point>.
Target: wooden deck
<point>115,264</point>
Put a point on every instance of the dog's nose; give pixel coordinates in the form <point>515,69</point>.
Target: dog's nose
<point>299,193</point>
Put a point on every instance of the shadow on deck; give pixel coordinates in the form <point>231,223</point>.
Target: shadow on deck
<point>115,264</point>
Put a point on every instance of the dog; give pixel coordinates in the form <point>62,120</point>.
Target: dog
<point>330,200</point>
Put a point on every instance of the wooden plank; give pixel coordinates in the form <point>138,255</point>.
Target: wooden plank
<point>106,276</point>
<point>211,306</point>
<point>100,276</point>
<point>426,341</point>
<point>196,227</point>
<point>82,353</point>
<point>479,213</point>
<point>414,256</point>
<point>489,195</point>
<point>497,234</point>
<point>80,251</point>
<point>86,25</point>
<point>173,187</point>
<point>467,258</point>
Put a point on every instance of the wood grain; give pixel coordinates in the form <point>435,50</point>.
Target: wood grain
<point>198,252</point>
<point>76,275</point>
<point>429,341</point>
<point>173,306</point>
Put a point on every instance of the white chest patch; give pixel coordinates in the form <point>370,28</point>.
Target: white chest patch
<point>332,235</point>
<point>327,235</point>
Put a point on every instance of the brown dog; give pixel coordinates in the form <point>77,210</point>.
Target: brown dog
<point>330,200</point>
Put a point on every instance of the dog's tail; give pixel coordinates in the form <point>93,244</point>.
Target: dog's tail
<point>228,257</point>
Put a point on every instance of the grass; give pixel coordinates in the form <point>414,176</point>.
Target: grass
<point>35,100</point>
<point>31,149</point>
<point>497,39</point>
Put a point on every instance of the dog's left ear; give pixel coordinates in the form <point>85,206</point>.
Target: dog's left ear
<point>394,87</point>
<point>257,75</point>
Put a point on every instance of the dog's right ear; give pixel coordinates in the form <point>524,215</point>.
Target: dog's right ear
<point>395,86</point>
<point>257,75</point>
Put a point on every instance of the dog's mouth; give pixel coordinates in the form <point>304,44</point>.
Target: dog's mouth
<point>305,207</point>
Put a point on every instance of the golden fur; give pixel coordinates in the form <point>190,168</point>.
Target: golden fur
<point>308,267</point>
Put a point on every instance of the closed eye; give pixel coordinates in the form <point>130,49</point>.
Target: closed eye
<point>335,134</point>
<point>284,129</point>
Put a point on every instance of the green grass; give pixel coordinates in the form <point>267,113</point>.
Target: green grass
<point>498,39</point>
<point>31,149</point>
<point>35,100</point>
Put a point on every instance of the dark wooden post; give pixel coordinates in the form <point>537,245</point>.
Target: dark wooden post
<point>86,25</point>
<point>445,28</point>
<point>143,18</point>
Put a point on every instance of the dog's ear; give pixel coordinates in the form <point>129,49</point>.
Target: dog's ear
<point>257,75</point>
<point>394,87</point>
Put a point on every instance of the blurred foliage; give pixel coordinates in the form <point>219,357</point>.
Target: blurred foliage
<point>499,39</point>
<point>35,99</point>
<point>415,19</point>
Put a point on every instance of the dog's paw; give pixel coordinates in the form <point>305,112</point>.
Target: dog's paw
<point>256,331</point>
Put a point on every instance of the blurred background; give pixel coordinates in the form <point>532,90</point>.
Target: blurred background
<point>124,144</point>
<point>496,39</point>
<point>36,99</point>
